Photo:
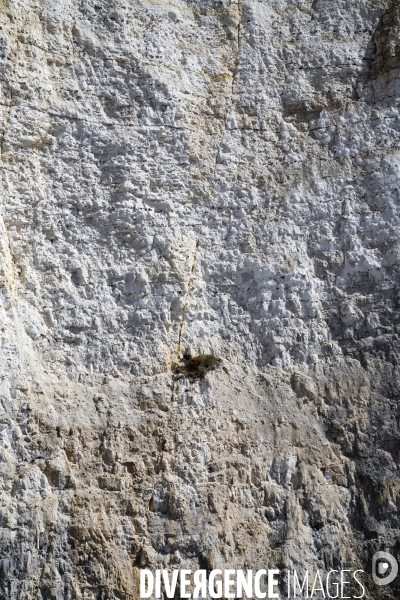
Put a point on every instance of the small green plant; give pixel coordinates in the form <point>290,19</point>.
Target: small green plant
<point>198,366</point>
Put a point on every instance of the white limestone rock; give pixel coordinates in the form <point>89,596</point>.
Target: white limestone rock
<point>221,177</point>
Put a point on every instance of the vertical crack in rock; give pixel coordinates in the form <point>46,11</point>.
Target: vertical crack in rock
<point>239,11</point>
<point>6,123</point>
<point>6,266</point>
<point>186,298</point>
<point>9,101</point>
<point>234,73</point>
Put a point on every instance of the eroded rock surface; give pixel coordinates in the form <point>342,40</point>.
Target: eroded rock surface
<point>210,177</point>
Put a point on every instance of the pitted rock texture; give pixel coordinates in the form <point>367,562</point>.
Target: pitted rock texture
<point>204,177</point>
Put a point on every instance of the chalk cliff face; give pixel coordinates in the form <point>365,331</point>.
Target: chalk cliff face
<point>217,177</point>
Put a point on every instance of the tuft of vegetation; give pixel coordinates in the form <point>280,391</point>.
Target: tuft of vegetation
<point>197,366</point>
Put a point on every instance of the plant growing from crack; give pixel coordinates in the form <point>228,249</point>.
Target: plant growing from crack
<point>196,367</point>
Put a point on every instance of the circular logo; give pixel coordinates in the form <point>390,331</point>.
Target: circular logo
<point>384,568</point>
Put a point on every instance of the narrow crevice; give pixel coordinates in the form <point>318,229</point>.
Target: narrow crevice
<point>189,288</point>
<point>10,105</point>
<point>239,25</point>
<point>230,104</point>
<point>7,280</point>
<point>5,129</point>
